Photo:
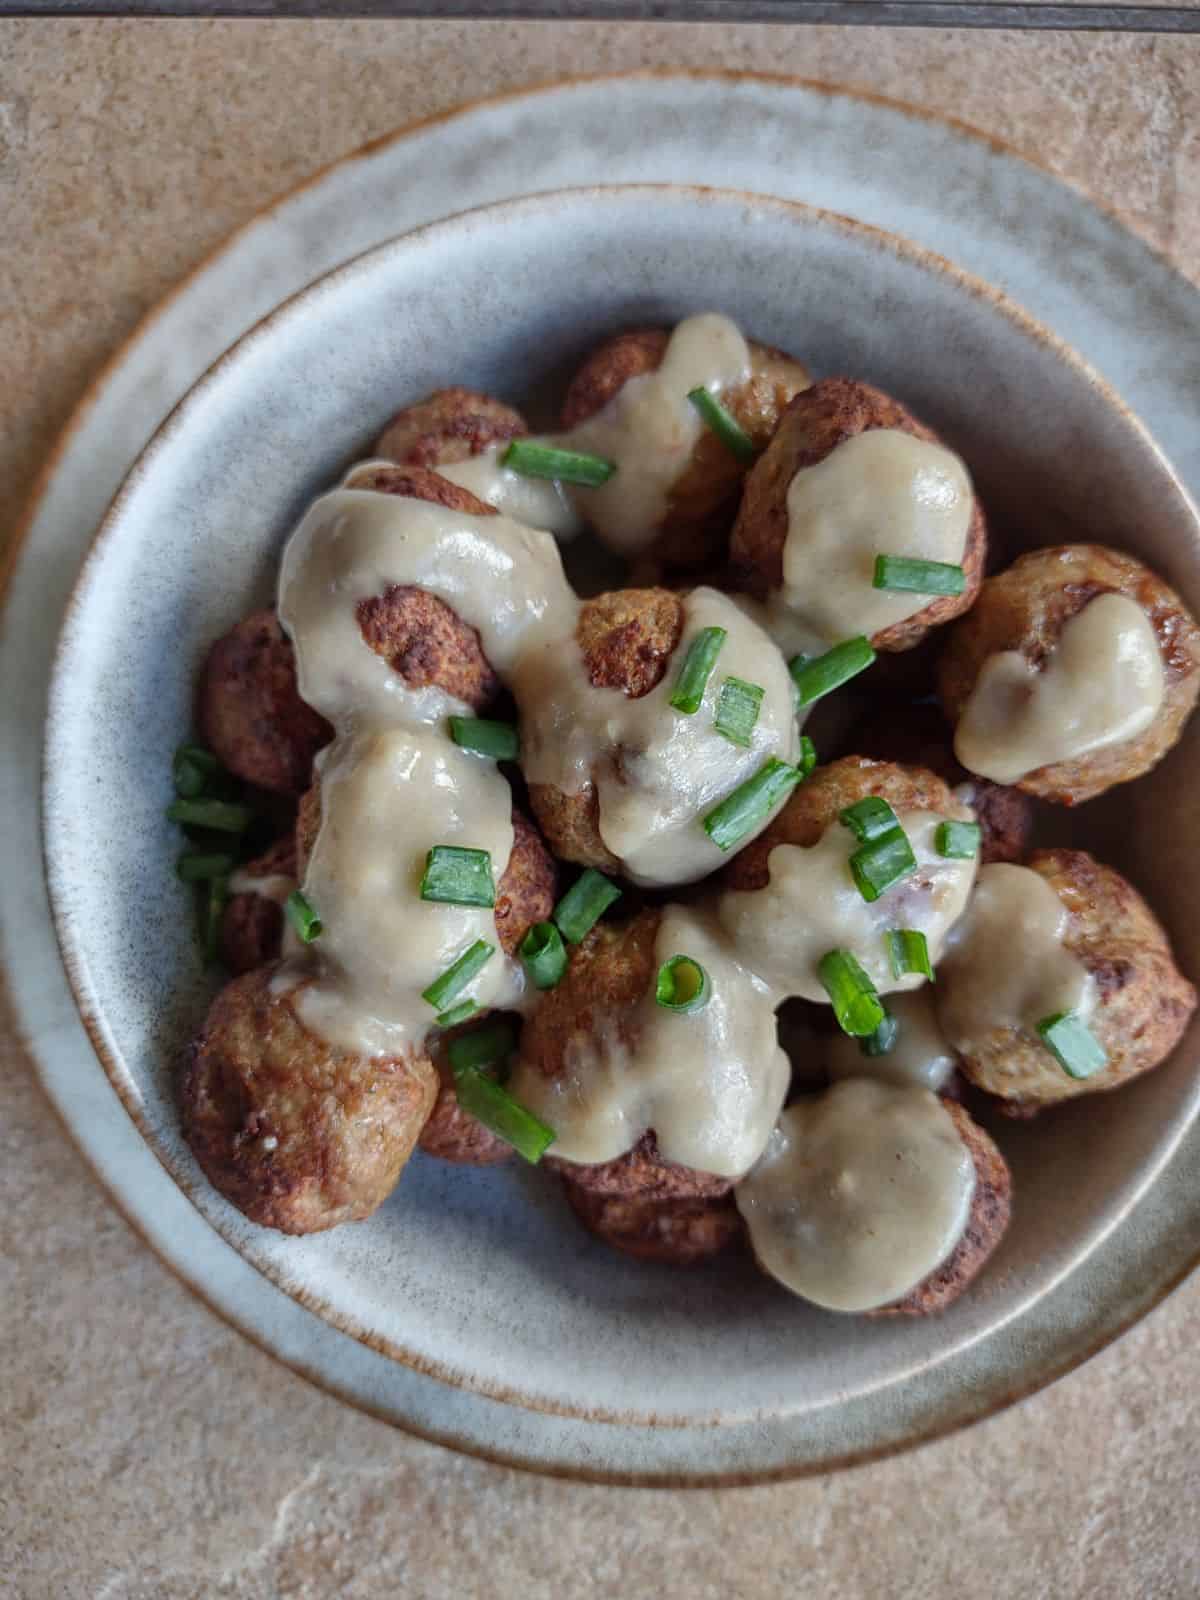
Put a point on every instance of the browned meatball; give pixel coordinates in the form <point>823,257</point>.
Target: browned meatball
<point>627,638</point>
<point>814,424</point>
<point>1145,1002</point>
<point>453,1134</point>
<point>298,1135</point>
<point>451,425</point>
<point>249,710</point>
<point>816,803</point>
<point>1026,608</point>
<point>677,1230</point>
<point>642,1174</point>
<point>704,498</point>
<point>252,923</point>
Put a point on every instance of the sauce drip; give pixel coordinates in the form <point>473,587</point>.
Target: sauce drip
<point>920,1058</point>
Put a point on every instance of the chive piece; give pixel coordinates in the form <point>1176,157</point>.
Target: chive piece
<point>497,739</point>
<point>869,819</point>
<point>458,975</point>
<point>197,868</point>
<point>737,710</point>
<point>696,670</point>
<point>534,460</point>
<point>883,1041</point>
<point>682,985</point>
<point>584,903</point>
<point>456,1014</point>
<point>488,1102</point>
<point>820,675</point>
<point>191,767</point>
<point>808,756</point>
<point>214,911</point>
<point>302,917</point>
<point>727,428</point>
<point>482,1047</point>
<point>918,577</point>
<point>855,1004</point>
<point>1072,1044</point>
<point>744,811</point>
<point>543,955</point>
<point>222,816</point>
<point>958,840</point>
<point>908,951</point>
<point>875,867</point>
<point>458,877</point>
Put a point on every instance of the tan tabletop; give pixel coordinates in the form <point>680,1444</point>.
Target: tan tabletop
<point>145,1449</point>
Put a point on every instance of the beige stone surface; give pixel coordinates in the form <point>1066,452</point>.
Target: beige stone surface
<point>145,1449</point>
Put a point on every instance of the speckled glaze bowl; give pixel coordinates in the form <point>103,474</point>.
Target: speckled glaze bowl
<point>481,1278</point>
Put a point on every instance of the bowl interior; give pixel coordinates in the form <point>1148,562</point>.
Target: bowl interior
<point>482,1277</point>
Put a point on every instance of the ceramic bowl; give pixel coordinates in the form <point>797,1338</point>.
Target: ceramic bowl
<point>481,1278</point>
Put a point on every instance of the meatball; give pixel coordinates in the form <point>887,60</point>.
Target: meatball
<point>297,1134</point>
<point>1026,608</point>
<point>814,424</point>
<point>249,711</point>
<point>627,638</point>
<point>704,498</point>
<point>642,1174</point>
<point>1144,1001</point>
<point>453,1134</point>
<point>450,426</point>
<point>252,923</point>
<point>677,1230</point>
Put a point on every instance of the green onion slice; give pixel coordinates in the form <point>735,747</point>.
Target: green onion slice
<point>482,1047</point>
<point>584,903</point>
<point>499,740</point>
<point>727,429</point>
<point>543,955</point>
<point>197,868</point>
<point>492,1105</point>
<point>682,985</point>
<point>456,1014</point>
<point>748,807</point>
<point>808,756</point>
<point>855,1004</point>
<point>958,840</point>
<point>696,670</point>
<point>214,910</point>
<point>1072,1044</point>
<point>458,975</point>
<point>534,460</point>
<point>908,951</point>
<point>869,819</point>
<point>883,1041</point>
<point>820,675</point>
<point>302,917</point>
<point>737,710</point>
<point>458,877</point>
<point>192,767</point>
<point>222,816</point>
<point>918,577</point>
<point>877,866</point>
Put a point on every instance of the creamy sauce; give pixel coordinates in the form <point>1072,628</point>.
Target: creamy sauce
<point>1007,965</point>
<point>920,1058</point>
<point>1102,685</point>
<point>879,493</point>
<point>861,1193</point>
<point>273,886</point>
<point>710,1083</point>
<point>538,502</point>
<point>811,905</point>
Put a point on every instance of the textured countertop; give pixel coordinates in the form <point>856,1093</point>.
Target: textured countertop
<point>146,1450</point>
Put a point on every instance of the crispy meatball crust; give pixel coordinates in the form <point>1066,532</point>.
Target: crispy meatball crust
<point>252,924</point>
<point>249,711</point>
<point>703,499</point>
<point>1145,1002</point>
<point>815,804</point>
<point>298,1135</point>
<point>676,1230</point>
<point>450,426</point>
<point>1026,608</point>
<point>627,638</point>
<point>814,424</point>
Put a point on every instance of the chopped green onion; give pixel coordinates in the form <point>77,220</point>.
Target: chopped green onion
<point>492,1105</point>
<point>1072,1044</point>
<point>855,1004</point>
<point>727,429</point>
<point>458,877</point>
<point>883,1041</point>
<point>820,675</point>
<point>958,840</point>
<point>534,460</point>
<point>908,951</point>
<point>497,739</point>
<point>458,975</point>
<point>750,804</point>
<point>220,815</point>
<point>543,955</point>
<point>808,756</point>
<point>869,819</point>
<point>456,1014</point>
<point>875,867</point>
<point>196,868</point>
<point>482,1047</point>
<point>214,910</point>
<point>737,710</point>
<point>302,917</point>
<point>918,577</point>
<point>584,903</point>
<point>696,670</point>
<point>192,767</point>
<point>682,985</point>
